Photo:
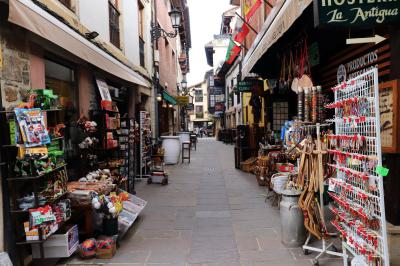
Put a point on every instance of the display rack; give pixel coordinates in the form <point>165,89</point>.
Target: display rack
<point>357,189</point>
<point>145,144</point>
<point>115,144</point>
<point>17,185</point>
<point>127,145</point>
<point>326,245</point>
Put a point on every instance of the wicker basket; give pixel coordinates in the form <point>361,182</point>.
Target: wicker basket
<point>249,165</point>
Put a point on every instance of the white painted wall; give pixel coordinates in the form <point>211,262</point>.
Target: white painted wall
<point>94,15</point>
<point>231,75</point>
<point>130,30</point>
<point>220,48</point>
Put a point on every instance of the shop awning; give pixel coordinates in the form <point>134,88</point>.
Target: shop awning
<point>281,18</point>
<point>168,97</point>
<point>28,15</point>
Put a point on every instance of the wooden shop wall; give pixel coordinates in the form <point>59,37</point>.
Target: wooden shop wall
<point>353,60</point>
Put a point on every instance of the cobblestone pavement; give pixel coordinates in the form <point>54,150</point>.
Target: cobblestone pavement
<point>209,214</point>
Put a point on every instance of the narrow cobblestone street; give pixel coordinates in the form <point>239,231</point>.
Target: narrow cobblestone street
<point>209,214</point>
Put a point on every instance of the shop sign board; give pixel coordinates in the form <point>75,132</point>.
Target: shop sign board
<point>219,107</point>
<point>104,90</point>
<point>182,100</point>
<point>216,91</point>
<point>356,13</point>
<point>249,85</point>
<point>357,66</point>
<point>190,106</point>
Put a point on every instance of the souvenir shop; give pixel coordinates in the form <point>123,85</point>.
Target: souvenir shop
<point>331,134</point>
<point>69,169</point>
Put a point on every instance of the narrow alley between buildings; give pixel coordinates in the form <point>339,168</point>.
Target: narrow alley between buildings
<point>209,214</point>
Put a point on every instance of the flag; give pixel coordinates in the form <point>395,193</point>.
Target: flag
<point>240,32</point>
<point>250,7</point>
<point>232,52</point>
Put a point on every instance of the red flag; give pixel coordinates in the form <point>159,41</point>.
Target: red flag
<point>241,31</point>
<point>250,7</point>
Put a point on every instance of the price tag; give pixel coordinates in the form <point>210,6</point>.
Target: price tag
<point>382,171</point>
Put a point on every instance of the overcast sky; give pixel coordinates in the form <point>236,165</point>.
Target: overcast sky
<point>205,21</point>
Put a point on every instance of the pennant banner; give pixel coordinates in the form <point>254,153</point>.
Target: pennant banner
<point>250,7</point>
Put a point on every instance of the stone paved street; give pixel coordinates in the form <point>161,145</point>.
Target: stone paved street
<point>209,214</point>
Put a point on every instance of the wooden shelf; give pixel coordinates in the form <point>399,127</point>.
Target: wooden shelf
<point>16,145</point>
<point>35,177</point>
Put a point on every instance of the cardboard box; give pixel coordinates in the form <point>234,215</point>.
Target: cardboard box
<point>61,245</point>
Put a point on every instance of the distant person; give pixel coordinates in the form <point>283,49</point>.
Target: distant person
<point>201,132</point>
<point>197,131</point>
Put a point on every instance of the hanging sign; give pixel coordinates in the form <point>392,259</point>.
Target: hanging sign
<point>356,13</point>
<point>182,100</point>
<point>249,85</point>
<point>106,101</point>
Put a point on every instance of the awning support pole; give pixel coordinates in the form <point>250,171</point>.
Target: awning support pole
<point>245,22</point>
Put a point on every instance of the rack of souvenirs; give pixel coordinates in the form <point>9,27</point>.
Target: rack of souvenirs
<point>45,199</point>
<point>357,187</point>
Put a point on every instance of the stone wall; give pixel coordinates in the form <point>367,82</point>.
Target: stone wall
<point>15,72</point>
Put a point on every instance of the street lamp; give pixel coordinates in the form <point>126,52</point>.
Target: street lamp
<point>159,97</point>
<point>176,16</point>
<point>184,84</point>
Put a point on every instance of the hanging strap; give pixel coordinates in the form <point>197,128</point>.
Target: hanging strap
<point>290,66</point>
<point>302,59</point>
<point>283,68</point>
<point>307,65</point>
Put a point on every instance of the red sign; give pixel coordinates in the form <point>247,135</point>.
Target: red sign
<point>219,107</point>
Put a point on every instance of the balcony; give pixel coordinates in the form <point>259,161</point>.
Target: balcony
<point>199,115</point>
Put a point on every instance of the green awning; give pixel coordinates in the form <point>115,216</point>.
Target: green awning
<point>168,97</point>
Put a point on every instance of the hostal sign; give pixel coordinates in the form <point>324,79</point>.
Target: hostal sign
<point>356,13</point>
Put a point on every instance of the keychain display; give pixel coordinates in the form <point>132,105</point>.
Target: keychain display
<point>357,189</point>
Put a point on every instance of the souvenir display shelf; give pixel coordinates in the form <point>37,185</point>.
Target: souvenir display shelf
<point>127,146</point>
<point>27,183</point>
<point>145,144</point>
<point>115,143</point>
<point>357,190</point>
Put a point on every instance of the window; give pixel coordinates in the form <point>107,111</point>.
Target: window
<point>114,23</point>
<point>199,111</point>
<point>220,98</point>
<point>141,19</point>
<point>198,96</point>
<point>141,33</point>
<point>212,101</point>
<point>280,113</point>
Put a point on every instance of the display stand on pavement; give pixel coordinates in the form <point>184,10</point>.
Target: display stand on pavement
<point>358,187</point>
